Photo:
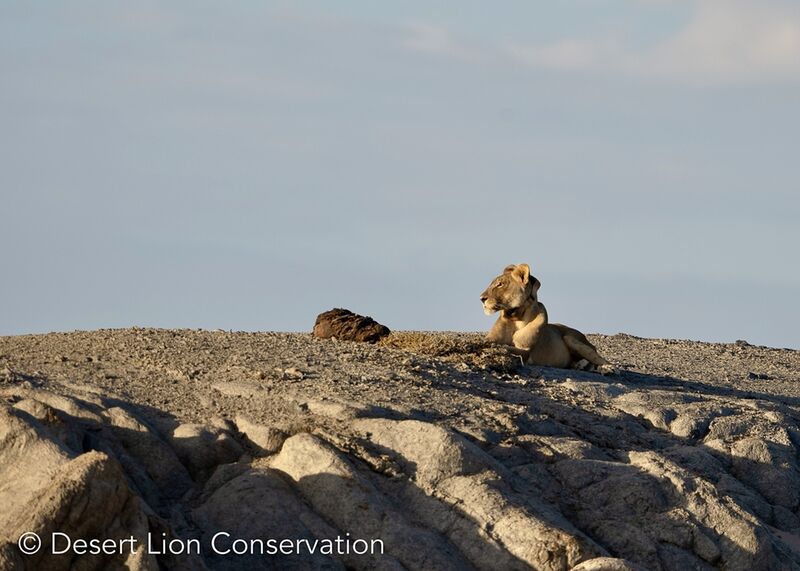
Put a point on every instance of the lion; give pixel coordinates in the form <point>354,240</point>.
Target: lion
<point>523,324</point>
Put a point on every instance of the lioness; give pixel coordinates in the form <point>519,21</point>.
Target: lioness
<point>523,324</point>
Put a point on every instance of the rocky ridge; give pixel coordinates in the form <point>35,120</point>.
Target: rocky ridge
<point>685,460</point>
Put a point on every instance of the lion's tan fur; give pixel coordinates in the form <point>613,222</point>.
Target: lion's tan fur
<point>523,324</point>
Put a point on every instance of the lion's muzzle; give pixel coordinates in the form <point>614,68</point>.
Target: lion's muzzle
<point>489,307</point>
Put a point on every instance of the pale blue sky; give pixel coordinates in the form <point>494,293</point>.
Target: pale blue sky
<point>246,165</point>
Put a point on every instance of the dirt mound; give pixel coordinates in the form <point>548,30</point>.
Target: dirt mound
<point>345,325</point>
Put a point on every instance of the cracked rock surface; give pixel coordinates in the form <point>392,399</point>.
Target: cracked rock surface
<point>687,459</point>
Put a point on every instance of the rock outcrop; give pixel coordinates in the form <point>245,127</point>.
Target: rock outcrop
<point>432,465</point>
<point>47,486</point>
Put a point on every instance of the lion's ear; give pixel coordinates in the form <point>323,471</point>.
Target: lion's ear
<point>523,272</point>
<point>510,268</point>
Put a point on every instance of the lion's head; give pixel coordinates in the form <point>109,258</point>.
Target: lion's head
<point>512,289</point>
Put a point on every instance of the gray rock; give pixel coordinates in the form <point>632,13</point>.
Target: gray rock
<point>265,439</point>
<point>452,467</point>
<point>607,564</point>
<point>45,487</point>
<point>202,448</point>
<point>455,472</point>
<point>338,492</point>
<point>770,468</point>
<point>258,505</point>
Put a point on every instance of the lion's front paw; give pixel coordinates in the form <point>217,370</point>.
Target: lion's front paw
<point>606,369</point>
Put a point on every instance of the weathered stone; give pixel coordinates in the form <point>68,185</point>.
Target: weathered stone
<point>265,439</point>
<point>258,505</point>
<point>202,448</point>
<point>336,490</point>
<point>151,463</point>
<point>607,564</point>
<point>452,467</point>
<point>455,472</point>
<point>45,488</point>
<point>769,467</point>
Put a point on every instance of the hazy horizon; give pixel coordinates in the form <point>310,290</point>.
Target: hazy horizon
<point>247,166</point>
